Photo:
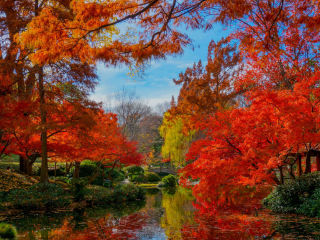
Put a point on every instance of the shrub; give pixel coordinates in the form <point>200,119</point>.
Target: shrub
<point>88,168</point>
<point>36,171</point>
<point>3,196</point>
<point>169,181</point>
<point>170,190</point>
<point>98,195</point>
<point>79,189</point>
<point>116,175</point>
<point>99,180</point>
<point>134,170</point>
<point>107,183</point>
<point>7,231</point>
<point>135,174</point>
<point>41,195</point>
<point>311,206</point>
<point>288,198</point>
<point>137,178</point>
<point>152,177</point>
<point>128,192</point>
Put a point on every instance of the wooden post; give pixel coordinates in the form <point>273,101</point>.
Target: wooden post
<point>318,161</point>
<point>299,165</point>
<point>76,170</point>
<point>308,163</point>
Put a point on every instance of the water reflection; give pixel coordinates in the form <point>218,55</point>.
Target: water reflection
<point>178,212</point>
<point>164,215</point>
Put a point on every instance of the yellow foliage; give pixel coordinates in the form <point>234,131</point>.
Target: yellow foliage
<point>178,212</point>
<point>176,142</point>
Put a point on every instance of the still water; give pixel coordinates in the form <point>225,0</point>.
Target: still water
<point>163,215</point>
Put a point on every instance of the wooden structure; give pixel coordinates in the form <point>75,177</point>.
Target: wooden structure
<point>292,159</point>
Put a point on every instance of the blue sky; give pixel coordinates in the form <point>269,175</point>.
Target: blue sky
<point>156,85</point>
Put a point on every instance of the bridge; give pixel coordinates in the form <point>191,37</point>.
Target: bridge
<point>163,170</point>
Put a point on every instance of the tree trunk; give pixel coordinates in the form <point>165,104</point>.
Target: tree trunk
<point>44,177</point>
<point>28,167</point>
<point>275,179</point>
<point>318,161</point>
<point>21,164</point>
<point>291,172</point>
<point>308,163</point>
<point>25,165</point>
<point>281,175</point>
<point>68,167</point>
<point>299,165</point>
<point>76,173</point>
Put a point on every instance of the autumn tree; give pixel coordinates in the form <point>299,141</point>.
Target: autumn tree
<point>176,141</point>
<point>204,90</point>
<point>99,140</point>
<point>61,79</point>
<point>259,142</point>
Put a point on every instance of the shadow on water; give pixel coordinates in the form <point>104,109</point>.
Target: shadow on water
<point>166,214</point>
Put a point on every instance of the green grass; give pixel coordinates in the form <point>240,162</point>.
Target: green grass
<point>148,185</point>
<point>12,161</point>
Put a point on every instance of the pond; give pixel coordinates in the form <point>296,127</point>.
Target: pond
<point>163,215</point>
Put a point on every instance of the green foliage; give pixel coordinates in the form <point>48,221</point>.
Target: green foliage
<point>170,190</point>
<point>107,183</point>
<point>295,195</point>
<point>88,168</point>
<point>128,192</point>
<point>7,231</point>
<point>135,174</point>
<point>134,170</point>
<point>152,177</point>
<point>41,195</point>
<point>169,181</point>
<point>99,195</point>
<point>137,178</point>
<point>121,193</point>
<point>311,206</point>
<point>79,189</point>
<point>115,174</point>
<point>3,196</point>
